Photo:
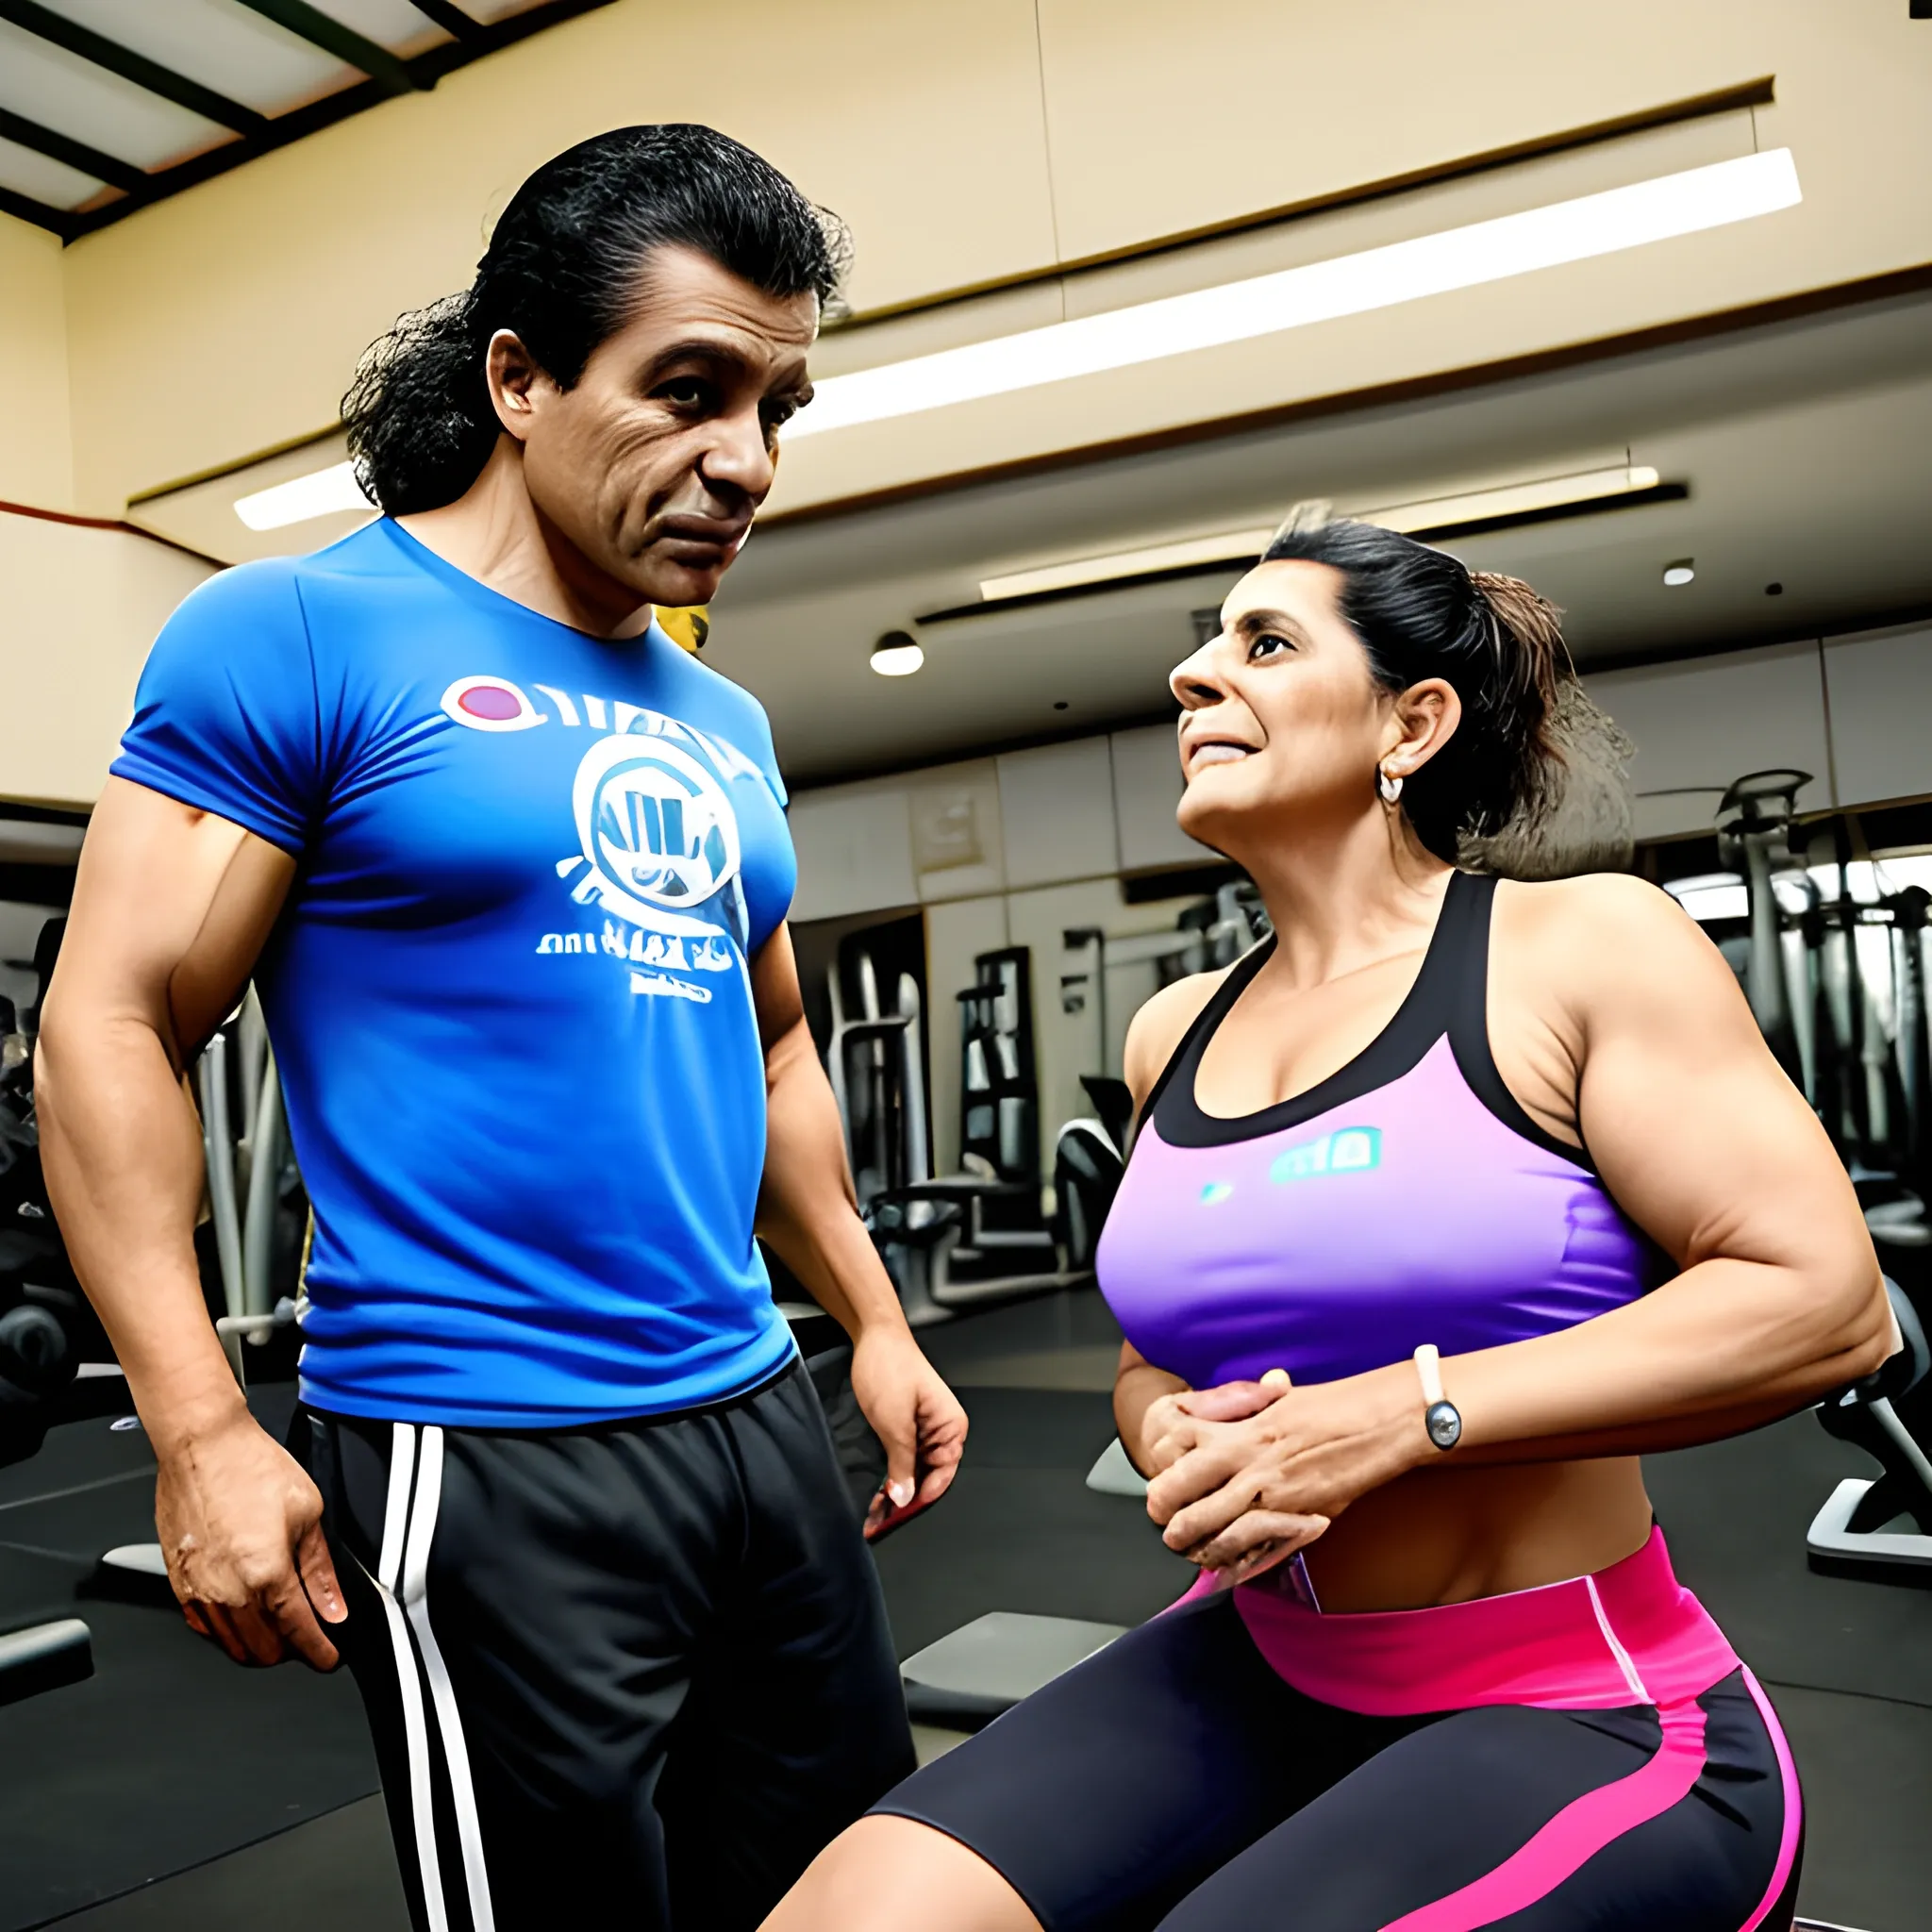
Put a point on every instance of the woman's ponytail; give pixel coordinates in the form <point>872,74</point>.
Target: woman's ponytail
<point>1572,812</point>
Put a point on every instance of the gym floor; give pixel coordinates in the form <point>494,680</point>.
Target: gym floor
<point>173,1790</point>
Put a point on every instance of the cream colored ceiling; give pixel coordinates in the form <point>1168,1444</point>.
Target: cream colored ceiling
<point>1806,449</point>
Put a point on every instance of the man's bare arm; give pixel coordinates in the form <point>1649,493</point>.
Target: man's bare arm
<point>170,909</point>
<point>809,1213</point>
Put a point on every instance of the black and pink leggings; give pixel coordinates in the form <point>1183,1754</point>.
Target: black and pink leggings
<point>1178,1781</point>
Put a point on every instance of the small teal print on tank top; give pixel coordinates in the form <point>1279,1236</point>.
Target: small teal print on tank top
<point>1215,1193</point>
<point>1347,1150</point>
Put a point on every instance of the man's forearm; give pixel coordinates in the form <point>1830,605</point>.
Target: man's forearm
<point>122,1159</point>
<point>807,1209</point>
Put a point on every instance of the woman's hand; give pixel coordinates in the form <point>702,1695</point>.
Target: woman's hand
<point>1167,1428</point>
<point>1237,1492</point>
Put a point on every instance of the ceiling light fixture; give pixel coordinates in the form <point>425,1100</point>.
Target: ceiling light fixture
<point>1683,572</point>
<point>321,494</point>
<point>896,656</point>
<point>1235,548</point>
<point>1564,232</point>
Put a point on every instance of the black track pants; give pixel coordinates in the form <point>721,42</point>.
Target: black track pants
<point>636,1674</point>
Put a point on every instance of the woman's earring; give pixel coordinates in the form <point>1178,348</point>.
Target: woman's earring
<point>1386,789</point>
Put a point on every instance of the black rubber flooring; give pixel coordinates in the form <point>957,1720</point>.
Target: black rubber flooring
<point>174,1790</point>
<point>168,1755</point>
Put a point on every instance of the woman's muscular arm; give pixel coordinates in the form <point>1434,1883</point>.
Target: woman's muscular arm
<point>169,908</point>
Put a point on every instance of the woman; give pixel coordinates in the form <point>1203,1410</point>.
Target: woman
<point>1445,1205</point>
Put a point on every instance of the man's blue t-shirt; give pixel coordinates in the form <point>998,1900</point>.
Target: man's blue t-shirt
<point>508,996</point>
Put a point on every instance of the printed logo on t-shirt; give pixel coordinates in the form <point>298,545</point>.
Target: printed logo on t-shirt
<point>659,852</point>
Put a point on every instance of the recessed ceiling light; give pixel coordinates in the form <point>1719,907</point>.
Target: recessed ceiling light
<point>321,494</point>
<point>1682,572</point>
<point>1466,257</point>
<point>896,656</point>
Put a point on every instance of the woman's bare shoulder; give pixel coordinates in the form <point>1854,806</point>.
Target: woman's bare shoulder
<point>1592,906</point>
<point>1603,933</point>
<point>1162,1023</point>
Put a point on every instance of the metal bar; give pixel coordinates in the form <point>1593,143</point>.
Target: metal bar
<point>321,31</point>
<point>23,207</point>
<point>71,153</point>
<point>47,25</point>
<point>452,20</point>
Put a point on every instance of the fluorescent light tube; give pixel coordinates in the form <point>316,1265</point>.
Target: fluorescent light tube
<point>1242,546</point>
<point>1491,251</point>
<point>1231,546</point>
<point>320,494</point>
<point>1511,499</point>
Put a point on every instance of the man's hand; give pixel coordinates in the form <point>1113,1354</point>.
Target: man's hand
<point>1247,1491</point>
<point>240,1527</point>
<point>911,1411</point>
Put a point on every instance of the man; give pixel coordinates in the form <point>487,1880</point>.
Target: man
<point>510,871</point>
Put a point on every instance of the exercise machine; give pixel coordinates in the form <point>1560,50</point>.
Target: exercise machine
<point>256,1207</point>
<point>1849,1536</point>
<point>977,1237</point>
<point>55,1364</point>
<point>1835,967</point>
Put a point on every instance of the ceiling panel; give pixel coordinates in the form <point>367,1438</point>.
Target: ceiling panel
<point>391,23</point>
<point>227,48</point>
<point>28,172</point>
<point>61,91</point>
<point>489,12</point>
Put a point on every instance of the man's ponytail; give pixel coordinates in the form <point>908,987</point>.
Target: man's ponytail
<point>418,412</point>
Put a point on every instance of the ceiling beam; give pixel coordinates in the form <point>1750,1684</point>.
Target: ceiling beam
<point>69,152</point>
<point>453,20</point>
<point>23,207</point>
<point>297,124</point>
<point>322,30</point>
<point>45,25</point>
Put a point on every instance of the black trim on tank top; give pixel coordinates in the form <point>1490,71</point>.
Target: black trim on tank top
<point>1468,987</point>
<point>1450,995</point>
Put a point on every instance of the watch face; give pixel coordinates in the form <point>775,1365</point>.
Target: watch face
<point>1443,1425</point>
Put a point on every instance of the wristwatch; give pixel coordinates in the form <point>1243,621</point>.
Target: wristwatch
<point>1440,1418</point>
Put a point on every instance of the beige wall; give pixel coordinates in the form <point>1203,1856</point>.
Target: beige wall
<point>36,445</point>
<point>81,609</point>
<point>970,143</point>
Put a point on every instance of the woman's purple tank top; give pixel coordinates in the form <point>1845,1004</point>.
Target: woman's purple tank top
<point>1407,1198</point>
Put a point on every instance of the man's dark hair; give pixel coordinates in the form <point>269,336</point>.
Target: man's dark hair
<point>561,271</point>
